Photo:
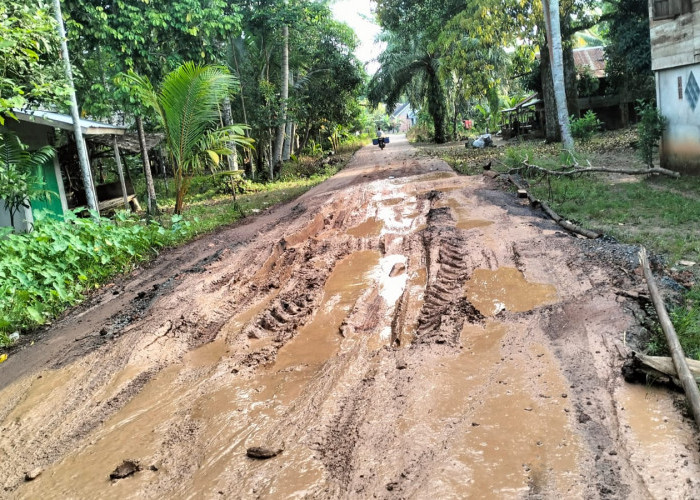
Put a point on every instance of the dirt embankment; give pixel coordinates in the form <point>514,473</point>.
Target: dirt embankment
<point>399,331</point>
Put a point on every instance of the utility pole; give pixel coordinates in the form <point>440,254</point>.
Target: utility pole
<point>79,141</point>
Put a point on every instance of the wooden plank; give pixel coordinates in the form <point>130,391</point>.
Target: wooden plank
<point>120,171</point>
<point>114,202</point>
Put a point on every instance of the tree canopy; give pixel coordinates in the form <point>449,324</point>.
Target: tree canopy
<point>30,71</point>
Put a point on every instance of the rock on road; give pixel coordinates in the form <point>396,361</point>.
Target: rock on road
<point>398,331</point>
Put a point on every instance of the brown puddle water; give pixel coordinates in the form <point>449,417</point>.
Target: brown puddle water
<point>247,412</point>
<point>319,340</point>
<point>645,412</point>
<point>230,413</point>
<point>135,431</point>
<point>461,214</point>
<point>391,202</point>
<point>434,176</point>
<point>501,440</point>
<point>473,223</point>
<point>367,229</point>
<point>506,288</point>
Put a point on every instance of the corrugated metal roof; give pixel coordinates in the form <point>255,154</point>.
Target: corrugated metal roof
<point>591,57</point>
<point>530,100</point>
<point>63,121</point>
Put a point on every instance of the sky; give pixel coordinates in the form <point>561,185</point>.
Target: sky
<point>358,14</point>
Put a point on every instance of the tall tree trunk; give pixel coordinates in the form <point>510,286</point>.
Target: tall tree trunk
<point>270,162</point>
<point>287,145</point>
<point>551,127</point>
<point>240,82</point>
<point>571,81</point>
<point>227,119</point>
<point>282,118</point>
<point>436,103</point>
<point>150,188</point>
<point>557,61</point>
<point>84,161</point>
<point>454,109</point>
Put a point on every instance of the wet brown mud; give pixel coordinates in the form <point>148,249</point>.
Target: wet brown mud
<point>393,336</point>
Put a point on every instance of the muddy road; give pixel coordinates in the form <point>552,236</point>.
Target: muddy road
<point>397,332</point>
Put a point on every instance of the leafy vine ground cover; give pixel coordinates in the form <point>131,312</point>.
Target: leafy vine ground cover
<point>43,272</point>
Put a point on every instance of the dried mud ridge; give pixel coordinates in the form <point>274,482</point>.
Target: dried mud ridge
<point>399,331</point>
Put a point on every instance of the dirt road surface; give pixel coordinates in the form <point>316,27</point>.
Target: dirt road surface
<point>397,332</point>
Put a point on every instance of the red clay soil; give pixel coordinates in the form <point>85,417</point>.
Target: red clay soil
<point>398,331</point>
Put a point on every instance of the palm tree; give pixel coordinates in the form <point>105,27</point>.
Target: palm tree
<point>409,65</point>
<point>20,181</point>
<point>187,106</point>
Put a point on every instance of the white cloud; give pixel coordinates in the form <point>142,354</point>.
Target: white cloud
<point>359,15</point>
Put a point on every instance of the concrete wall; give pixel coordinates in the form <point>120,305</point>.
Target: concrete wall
<point>681,142</point>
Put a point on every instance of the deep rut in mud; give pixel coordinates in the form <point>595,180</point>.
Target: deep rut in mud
<point>399,331</point>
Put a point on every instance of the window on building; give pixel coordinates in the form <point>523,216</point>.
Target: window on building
<point>667,9</point>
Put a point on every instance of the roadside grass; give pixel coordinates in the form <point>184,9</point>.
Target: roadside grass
<point>46,271</point>
<point>662,213</point>
<point>686,321</point>
<point>217,211</point>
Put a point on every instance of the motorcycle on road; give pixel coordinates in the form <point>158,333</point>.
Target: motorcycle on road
<point>381,142</point>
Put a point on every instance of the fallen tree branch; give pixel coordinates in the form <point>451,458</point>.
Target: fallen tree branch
<point>690,386</point>
<point>568,225</point>
<point>575,170</point>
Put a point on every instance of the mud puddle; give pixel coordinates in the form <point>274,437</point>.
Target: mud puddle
<point>505,436</point>
<point>647,414</point>
<point>320,339</point>
<point>367,229</point>
<point>506,289</point>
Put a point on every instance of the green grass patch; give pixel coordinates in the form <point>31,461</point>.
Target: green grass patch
<point>686,321</point>
<point>653,212</point>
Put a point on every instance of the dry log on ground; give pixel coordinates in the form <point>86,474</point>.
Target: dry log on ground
<point>688,382</point>
<point>575,170</point>
<point>568,225</point>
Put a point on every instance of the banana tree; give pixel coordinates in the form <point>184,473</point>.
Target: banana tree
<point>19,181</point>
<point>187,107</point>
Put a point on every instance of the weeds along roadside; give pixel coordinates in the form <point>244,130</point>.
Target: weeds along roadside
<point>661,213</point>
<point>44,272</point>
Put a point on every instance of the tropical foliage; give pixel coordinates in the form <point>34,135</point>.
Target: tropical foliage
<point>44,271</point>
<point>187,106</point>
<point>29,66</point>
<point>19,182</point>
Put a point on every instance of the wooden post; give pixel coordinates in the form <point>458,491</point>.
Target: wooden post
<point>683,372</point>
<point>120,171</point>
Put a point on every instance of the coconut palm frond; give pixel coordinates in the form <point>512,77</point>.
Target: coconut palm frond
<point>189,97</point>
